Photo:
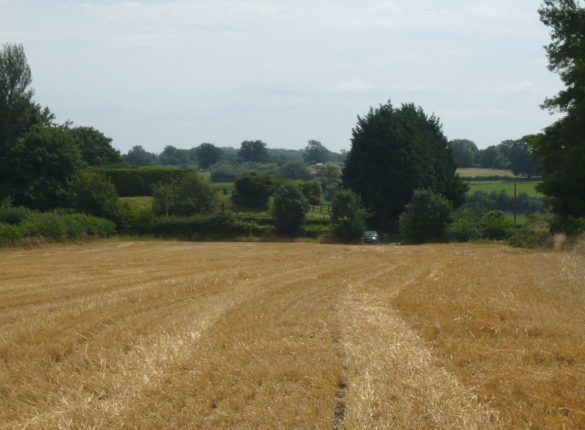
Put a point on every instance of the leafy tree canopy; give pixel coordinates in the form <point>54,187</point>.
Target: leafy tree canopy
<point>395,151</point>
<point>425,218</point>
<point>290,209</point>
<point>253,151</point>
<point>42,165</point>
<point>464,151</point>
<point>561,149</point>
<point>349,216</point>
<point>253,190</point>
<point>208,154</point>
<point>172,156</point>
<point>315,153</point>
<point>95,148</point>
<point>138,156</point>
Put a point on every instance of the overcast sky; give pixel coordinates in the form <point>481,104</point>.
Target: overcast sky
<point>157,73</point>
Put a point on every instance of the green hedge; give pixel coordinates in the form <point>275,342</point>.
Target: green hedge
<point>136,182</point>
<point>201,226</point>
<point>55,226</point>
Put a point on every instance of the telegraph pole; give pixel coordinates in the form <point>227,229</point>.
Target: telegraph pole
<point>515,205</point>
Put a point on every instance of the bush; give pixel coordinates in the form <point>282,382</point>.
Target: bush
<point>57,226</point>
<point>189,195</point>
<point>463,230</point>
<point>295,170</point>
<point>425,218</point>
<point>225,172</point>
<point>312,191</point>
<point>9,234</point>
<point>93,193</point>
<point>495,225</point>
<point>568,225</point>
<point>14,215</point>
<point>218,226</point>
<point>253,190</point>
<point>529,237</point>
<point>290,210</point>
<point>349,216</point>
<point>136,182</point>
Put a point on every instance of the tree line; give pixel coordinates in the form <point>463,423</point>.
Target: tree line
<point>250,151</point>
<point>515,155</point>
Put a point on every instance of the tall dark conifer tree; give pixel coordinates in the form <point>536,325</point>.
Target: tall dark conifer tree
<point>395,151</point>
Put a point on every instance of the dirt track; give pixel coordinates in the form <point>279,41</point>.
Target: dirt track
<point>179,335</point>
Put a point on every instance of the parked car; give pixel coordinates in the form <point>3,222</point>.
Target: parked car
<point>370,236</point>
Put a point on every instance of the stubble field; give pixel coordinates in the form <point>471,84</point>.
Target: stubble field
<point>182,335</point>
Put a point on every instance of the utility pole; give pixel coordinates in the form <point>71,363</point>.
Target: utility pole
<point>515,206</point>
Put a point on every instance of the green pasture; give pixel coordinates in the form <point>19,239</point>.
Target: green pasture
<point>528,187</point>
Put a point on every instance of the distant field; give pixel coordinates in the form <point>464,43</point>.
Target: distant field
<point>508,186</point>
<point>476,172</point>
<point>219,335</point>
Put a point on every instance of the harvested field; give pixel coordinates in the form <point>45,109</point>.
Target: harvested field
<point>183,335</point>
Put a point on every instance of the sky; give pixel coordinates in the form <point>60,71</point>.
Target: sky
<point>176,72</point>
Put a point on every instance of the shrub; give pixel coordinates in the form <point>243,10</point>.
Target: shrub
<point>349,216</point>
<point>14,215</point>
<point>495,225</point>
<point>57,226</point>
<point>221,225</point>
<point>529,237</point>
<point>9,234</point>
<point>253,190</point>
<point>188,196</point>
<point>93,193</point>
<point>312,191</point>
<point>294,170</point>
<point>463,230</point>
<point>425,218</point>
<point>136,182</point>
<point>290,210</point>
<point>568,225</point>
<point>225,172</point>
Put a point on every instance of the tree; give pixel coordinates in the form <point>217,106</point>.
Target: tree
<point>560,151</point>
<point>425,218</point>
<point>253,151</point>
<point>15,94</point>
<point>172,156</point>
<point>18,112</point>
<point>315,153</point>
<point>395,151</point>
<point>138,156</point>
<point>253,190</point>
<point>464,151</point>
<point>95,148</point>
<point>93,193</point>
<point>520,156</point>
<point>349,216</point>
<point>41,166</point>
<point>493,158</point>
<point>189,195</point>
<point>294,170</point>
<point>208,154</point>
<point>290,209</point>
